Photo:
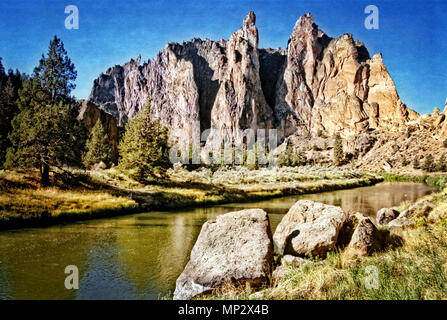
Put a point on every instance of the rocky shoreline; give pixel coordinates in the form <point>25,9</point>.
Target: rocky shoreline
<point>237,247</point>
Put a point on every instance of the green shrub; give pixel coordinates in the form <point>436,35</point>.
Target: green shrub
<point>441,165</point>
<point>429,164</point>
<point>416,164</point>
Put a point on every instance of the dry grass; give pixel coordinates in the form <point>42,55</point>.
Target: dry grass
<point>80,195</point>
<point>23,200</point>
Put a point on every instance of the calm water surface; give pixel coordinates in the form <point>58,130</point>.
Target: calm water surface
<point>140,256</point>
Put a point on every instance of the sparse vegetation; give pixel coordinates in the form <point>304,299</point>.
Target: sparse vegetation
<point>292,158</point>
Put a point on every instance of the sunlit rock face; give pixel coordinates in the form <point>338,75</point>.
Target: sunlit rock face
<point>317,84</point>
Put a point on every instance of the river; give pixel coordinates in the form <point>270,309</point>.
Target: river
<point>140,256</point>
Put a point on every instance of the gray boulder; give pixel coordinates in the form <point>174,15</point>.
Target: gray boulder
<point>236,246</point>
<point>385,216</point>
<point>366,238</point>
<point>309,228</point>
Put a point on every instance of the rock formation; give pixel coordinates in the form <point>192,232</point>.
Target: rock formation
<point>237,246</point>
<point>440,122</point>
<point>318,84</point>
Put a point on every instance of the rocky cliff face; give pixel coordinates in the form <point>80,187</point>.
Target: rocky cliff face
<point>317,85</point>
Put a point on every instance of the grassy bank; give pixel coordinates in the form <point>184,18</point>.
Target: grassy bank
<point>435,180</point>
<point>107,193</point>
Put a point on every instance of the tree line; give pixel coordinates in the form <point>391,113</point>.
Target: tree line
<point>39,126</point>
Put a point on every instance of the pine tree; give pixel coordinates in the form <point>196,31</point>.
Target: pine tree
<point>98,147</point>
<point>416,163</point>
<point>338,150</point>
<point>429,165</point>
<point>9,86</point>
<point>441,165</point>
<point>46,132</point>
<point>144,152</point>
<point>300,158</point>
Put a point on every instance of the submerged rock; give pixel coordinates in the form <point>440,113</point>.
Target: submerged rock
<point>309,229</point>
<point>237,246</point>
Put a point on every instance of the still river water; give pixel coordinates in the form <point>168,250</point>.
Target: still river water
<point>140,256</point>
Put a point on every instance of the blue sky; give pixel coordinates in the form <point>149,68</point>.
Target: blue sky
<point>411,34</point>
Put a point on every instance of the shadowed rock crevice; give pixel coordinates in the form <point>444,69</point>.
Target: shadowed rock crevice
<point>271,64</point>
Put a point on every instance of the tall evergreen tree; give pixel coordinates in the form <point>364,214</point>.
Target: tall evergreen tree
<point>144,152</point>
<point>429,164</point>
<point>9,85</point>
<point>416,164</point>
<point>441,165</point>
<point>99,148</point>
<point>338,150</point>
<point>46,132</point>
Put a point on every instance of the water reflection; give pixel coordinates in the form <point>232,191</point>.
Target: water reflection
<point>141,256</point>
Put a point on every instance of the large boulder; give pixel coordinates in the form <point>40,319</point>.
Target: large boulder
<point>237,246</point>
<point>348,228</point>
<point>385,216</point>
<point>366,238</point>
<point>309,229</point>
<point>408,217</point>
